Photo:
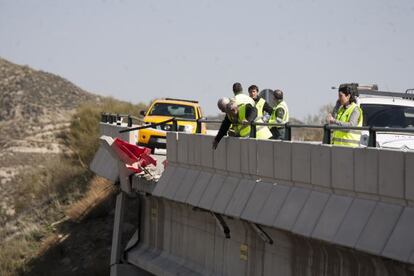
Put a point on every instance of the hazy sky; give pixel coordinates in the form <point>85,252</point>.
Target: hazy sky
<point>140,50</point>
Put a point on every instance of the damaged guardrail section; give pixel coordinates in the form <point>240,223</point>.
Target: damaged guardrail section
<point>290,207</point>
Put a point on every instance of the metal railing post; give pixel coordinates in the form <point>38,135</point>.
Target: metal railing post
<point>129,121</point>
<point>288,132</point>
<point>372,140</point>
<point>198,129</point>
<point>252,130</point>
<point>104,118</point>
<point>326,134</point>
<point>175,124</point>
<point>118,119</point>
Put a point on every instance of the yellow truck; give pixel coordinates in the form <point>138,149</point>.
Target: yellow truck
<point>163,109</point>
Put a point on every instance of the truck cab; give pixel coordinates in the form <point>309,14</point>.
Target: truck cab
<point>164,109</point>
<point>389,110</point>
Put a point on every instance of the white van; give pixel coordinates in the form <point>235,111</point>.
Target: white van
<point>389,110</point>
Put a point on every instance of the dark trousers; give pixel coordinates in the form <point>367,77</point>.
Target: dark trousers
<point>278,133</point>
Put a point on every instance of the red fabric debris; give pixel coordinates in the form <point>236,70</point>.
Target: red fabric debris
<point>134,157</point>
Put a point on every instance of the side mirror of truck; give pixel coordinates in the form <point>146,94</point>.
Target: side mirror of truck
<point>142,112</point>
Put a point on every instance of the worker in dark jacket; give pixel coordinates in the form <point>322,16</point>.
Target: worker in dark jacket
<point>236,115</point>
<point>260,103</point>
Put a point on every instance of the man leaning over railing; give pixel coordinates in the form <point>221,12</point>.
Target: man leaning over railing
<point>239,116</point>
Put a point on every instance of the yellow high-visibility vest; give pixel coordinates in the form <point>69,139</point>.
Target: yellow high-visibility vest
<point>285,118</point>
<point>259,106</point>
<point>347,137</point>
<point>239,129</point>
<point>262,132</point>
<point>242,98</point>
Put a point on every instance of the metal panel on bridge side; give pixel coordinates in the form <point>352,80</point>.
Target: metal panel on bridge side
<point>233,155</point>
<point>225,194</point>
<point>291,208</point>
<point>220,154</point>
<point>343,168</point>
<point>310,214</point>
<point>256,201</point>
<point>409,176</point>
<point>194,150</point>
<point>354,222</point>
<point>186,185</point>
<point>321,165</point>
<point>176,180</point>
<point>199,187</point>
<point>240,197</point>
<point>391,173</point>
<point>248,156</point>
<point>265,158</point>
<point>182,148</point>
<point>207,151</point>
<point>332,217</point>
<point>211,191</point>
<point>273,204</point>
<point>301,162</point>
<point>379,228</point>
<point>164,180</point>
<point>400,245</point>
<point>172,146</point>
<point>366,170</point>
<point>282,160</point>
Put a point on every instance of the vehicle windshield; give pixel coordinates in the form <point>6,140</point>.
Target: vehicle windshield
<point>380,115</point>
<point>174,110</point>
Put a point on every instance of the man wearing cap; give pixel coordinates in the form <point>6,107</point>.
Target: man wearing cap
<point>280,115</point>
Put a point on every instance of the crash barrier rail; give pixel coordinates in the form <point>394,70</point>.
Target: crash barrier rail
<point>327,128</point>
<point>243,201</point>
<point>117,118</point>
<point>360,198</point>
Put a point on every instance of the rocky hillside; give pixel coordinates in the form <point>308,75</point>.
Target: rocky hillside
<point>32,101</point>
<point>49,130</point>
<point>35,107</point>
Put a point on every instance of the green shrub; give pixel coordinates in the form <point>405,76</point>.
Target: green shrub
<point>84,129</point>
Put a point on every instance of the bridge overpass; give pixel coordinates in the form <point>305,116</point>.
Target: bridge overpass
<point>264,207</point>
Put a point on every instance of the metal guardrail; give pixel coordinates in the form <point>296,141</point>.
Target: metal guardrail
<point>327,128</point>
<point>116,118</point>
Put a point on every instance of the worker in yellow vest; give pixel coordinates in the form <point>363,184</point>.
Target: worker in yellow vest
<point>280,115</point>
<point>348,114</point>
<point>239,116</point>
<point>262,132</point>
<point>239,96</point>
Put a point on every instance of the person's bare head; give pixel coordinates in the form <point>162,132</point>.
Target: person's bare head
<point>237,88</point>
<point>222,103</point>
<point>278,95</point>
<point>232,108</point>
<point>253,91</point>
